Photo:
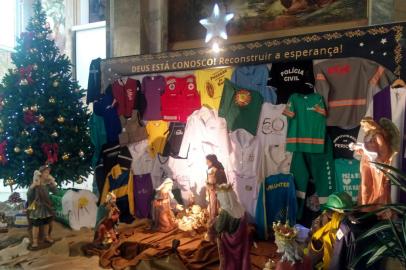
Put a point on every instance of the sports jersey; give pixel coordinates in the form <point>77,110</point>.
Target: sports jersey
<point>174,139</point>
<point>276,202</point>
<point>240,107</point>
<point>103,108</point>
<point>254,78</point>
<point>291,77</point>
<point>160,171</point>
<point>120,182</point>
<point>180,98</point>
<point>244,161</point>
<point>124,92</point>
<point>273,125</point>
<point>348,177</point>
<point>341,139</point>
<point>142,162</point>
<point>347,85</point>
<point>316,166</point>
<point>210,84</point>
<point>157,132</point>
<point>153,87</point>
<point>306,123</point>
<point>143,195</point>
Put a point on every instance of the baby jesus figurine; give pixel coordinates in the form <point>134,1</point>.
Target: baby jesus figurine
<point>106,232</point>
<point>163,204</point>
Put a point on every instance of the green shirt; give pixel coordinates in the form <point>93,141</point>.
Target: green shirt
<point>306,123</point>
<point>348,177</point>
<point>240,107</point>
<point>226,223</point>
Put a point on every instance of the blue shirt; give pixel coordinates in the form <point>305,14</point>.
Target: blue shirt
<point>276,202</point>
<point>103,108</point>
<point>255,78</point>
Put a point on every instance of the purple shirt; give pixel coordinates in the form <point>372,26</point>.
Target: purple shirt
<point>153,87</point>
<point>143,195</point>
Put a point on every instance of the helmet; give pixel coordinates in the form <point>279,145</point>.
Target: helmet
<point>338,202</point>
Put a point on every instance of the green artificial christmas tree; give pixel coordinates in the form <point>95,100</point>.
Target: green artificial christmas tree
<point>42,117</point>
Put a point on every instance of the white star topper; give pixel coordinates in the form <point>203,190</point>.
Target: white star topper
<point>216,24</point>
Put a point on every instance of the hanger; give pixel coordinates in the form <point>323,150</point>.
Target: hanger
<point>398,83</point>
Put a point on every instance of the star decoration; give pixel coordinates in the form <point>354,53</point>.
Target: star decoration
<point>216,24</point>
<point>384,40</point>
<point>361,44</point>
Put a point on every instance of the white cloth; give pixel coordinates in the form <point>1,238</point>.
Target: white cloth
<point>205,133</point>
<point>80,207</point>
<point>244,163</point>
<point>182,176</point>
<point>229,202</point>
<point>142,161</point>
<point>272,125</point>
<point>160,171</point>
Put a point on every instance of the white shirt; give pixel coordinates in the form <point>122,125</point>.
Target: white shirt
<point>276,160</point>
<point>142,162</point>
<point>245,159</point>
<point>160,170</point>
<point>80,207</point>
<point>272,125</point>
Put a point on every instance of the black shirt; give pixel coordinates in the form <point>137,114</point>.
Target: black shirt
<point>174,139</point>
<point>341,139</point>
<point>291,77</point>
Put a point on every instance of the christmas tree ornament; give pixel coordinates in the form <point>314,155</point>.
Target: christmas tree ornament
<point>14,71</point>
<point>65,156</point>
<point>81,153</point>
<point>1,130</point>
<point>52,100</point>
<point>54,134</point>
<point>60,119</point>
<point>55,84</point>
<point>41,118</point>
<point>25,133</point>
<point>29,151</point>
<point>29,117</point>
<point>25,109</point>
<point>51,152</point>
<point>3,158</point>
<point>35,67</point>
<point>216,24</point>
<point>23,82</point>
<point>17,149</point>
<point>34,108</point>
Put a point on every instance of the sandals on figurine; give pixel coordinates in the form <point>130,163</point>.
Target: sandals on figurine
<point>49,240</point>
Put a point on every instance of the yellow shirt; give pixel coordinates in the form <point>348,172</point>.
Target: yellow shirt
<point>156,136</point>
<point>210,84</point>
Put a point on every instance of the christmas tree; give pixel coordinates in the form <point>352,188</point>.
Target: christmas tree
<point>42,117</point>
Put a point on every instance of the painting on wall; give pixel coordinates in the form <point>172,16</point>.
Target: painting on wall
<point>253,17</point>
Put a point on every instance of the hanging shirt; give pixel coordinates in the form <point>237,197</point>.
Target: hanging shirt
<point>210,84</point>
<point>292,77</point>
<point>142,162</point>
<point>348,177</point>
<point>341,139</point>
<point>157,133</point>
<point>174,139</point>
<point>103,108</point>
<point>245,158</point>
<point>124,92</point>
<point>306,123</point>
<point>98,136</point>
<point>152,88</point>
<point>240,107</point>
<point>94,81</point>
<point>120,182</point>
<point>276,160</point>
<point>276,202</point>
<point>160,171</point>
<point>347,85</point>
<point>255,78</point>
<point>180,98</point>
<point>273,125</point>
<point>143,195</point>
